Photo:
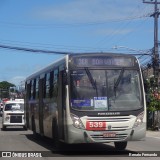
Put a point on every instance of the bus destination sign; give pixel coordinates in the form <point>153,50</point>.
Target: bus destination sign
<point>103,61</point>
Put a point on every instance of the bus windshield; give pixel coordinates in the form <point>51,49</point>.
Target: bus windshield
<point>105,90</point>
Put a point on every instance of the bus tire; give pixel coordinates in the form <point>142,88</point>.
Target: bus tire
<point>120,145</point>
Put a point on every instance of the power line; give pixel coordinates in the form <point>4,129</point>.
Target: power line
<point>112,36</point>
<point>120,28</point>
<point>50,46</point>
<point>33,50</point>
<point>64,25</point>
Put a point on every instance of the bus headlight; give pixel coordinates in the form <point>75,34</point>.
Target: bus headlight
<point>77,122</point>
<point>139,120</point>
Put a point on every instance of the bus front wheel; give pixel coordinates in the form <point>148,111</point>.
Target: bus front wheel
<point>120,145</point>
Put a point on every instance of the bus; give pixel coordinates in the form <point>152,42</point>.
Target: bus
<point>88,98</point>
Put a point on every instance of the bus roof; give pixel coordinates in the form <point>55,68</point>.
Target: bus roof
<point>102,54</point>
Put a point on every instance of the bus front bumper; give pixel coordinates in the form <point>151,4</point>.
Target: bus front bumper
<point>76,135</point>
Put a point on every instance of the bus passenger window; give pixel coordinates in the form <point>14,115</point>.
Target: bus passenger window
<point>55,83</point>
<point>37,89</point>
<point>33,89</point>
<point>28,89</point>
<point>51,84</point>
<point>47,85</point>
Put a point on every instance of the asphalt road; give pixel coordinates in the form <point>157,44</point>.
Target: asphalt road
<point>23,143</point>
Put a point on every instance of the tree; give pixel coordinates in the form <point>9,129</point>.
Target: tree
<point>4,89</point>
<point>153,100</point>
<point>6,85</point>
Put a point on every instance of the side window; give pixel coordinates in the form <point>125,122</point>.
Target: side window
<point>37,88</point>
<point>55,83</point>
<point>47,92</point>
<point>33,89</point>
<point>51,84</point>
<point>44,86</point>
<point>28,89</point>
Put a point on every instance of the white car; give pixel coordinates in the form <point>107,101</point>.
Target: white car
<point>13,114</point>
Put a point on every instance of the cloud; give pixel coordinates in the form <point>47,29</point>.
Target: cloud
<point>90,10</point>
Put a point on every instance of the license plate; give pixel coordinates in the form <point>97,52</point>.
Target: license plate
<point>109,134</point>
<point>95,126</point>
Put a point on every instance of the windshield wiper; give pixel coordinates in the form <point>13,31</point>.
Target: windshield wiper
<point>118,80</point>
<point>93,82</point>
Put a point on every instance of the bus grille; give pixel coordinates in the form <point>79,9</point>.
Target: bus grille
<point>101,138</point>
<point>117,126</point>
<point>15,119</point>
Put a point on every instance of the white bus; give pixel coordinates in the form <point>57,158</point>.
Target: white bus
<point>88,98</point>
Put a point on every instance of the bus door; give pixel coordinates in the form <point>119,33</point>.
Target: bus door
<point>41,104</point>
<point>61,104</point>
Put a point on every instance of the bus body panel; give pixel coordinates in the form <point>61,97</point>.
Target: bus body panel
<point>41,111</point>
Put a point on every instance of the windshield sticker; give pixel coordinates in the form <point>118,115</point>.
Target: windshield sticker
<point>16,107</point>
<point>100,102</point>
<point>81,102</point>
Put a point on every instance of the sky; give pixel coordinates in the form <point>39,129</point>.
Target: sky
<point>69,26</point>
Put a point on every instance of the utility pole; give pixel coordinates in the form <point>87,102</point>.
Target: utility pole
<point>155,54</point>
<point>155,49</point>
